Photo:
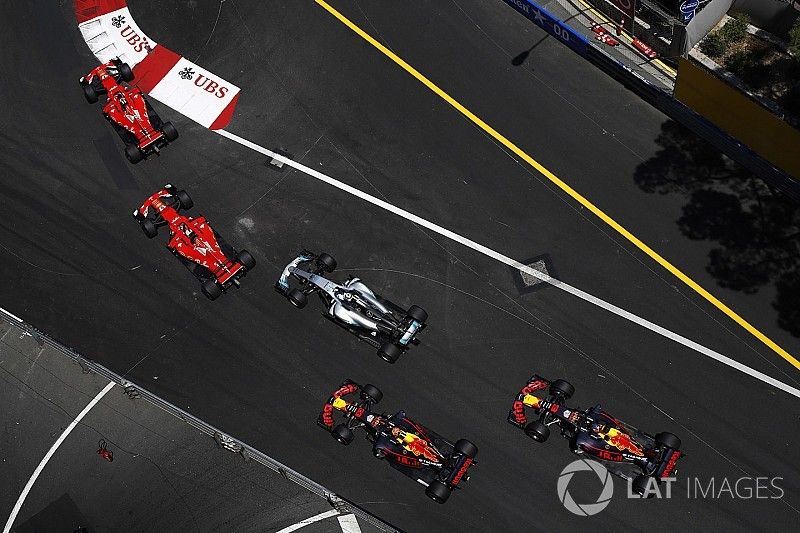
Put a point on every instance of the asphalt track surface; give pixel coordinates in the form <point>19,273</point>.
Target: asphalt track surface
<point>77,266</point>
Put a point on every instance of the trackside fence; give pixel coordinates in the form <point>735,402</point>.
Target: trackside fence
<point>223,440</point>
<point>658,98</point>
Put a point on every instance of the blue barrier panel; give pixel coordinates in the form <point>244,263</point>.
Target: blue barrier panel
<point>551,24</point>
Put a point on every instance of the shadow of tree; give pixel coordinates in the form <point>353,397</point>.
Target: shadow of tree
<point>756,227</point>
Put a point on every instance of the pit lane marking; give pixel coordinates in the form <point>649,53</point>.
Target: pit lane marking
<point>563,186</point>
<point>49,454</point>
<point>303,523</point>
<point>469,243</point>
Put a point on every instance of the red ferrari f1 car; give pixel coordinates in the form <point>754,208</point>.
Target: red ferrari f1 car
<point>140,127</point>
<point>408,446</point>
<point>192,240</point>
<point>626,451</point>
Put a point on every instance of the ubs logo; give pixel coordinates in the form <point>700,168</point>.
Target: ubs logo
<point>138,42</point>
<point>204,82</point>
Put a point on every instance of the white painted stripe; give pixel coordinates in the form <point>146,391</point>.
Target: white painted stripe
<point>517,265</point>
<point>349,524</point>
<point>49,454</point>
<point>311,520</point>
<point>12,315</point>
<point>202,98</point>
<point>116,34</point>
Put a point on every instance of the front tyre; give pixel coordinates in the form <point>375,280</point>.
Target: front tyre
<point>390,352</point>
<point>562,388</point>
<point>184,199</point>
<point>327,262</point>
<point>537,430</point>
<point>371,393</point>
<point>342,434</point>
<point>89,93</point>
<point>125,72</point>
<point>297,298</point>
<point>149,229</point>
<point>438,491</point>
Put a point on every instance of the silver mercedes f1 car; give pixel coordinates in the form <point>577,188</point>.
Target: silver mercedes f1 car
<point>352,305</point>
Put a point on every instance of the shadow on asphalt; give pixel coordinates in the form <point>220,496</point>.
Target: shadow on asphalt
<point>755,227</point>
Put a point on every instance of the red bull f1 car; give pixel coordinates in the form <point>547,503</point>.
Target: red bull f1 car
<point>406,445</point>
<point>140,127</point>
<point>193,241</point>
<point>626,451</point>
<point>352,305</point>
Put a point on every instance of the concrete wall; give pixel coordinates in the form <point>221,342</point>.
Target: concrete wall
<point>775,16</point>
<point>738,116</point>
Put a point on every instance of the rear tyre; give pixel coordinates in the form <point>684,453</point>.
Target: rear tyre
<point>417,313</point>
<point>342,434</point>
<point>211,289</point>
<point>149,229</point>
<point>562,388</point>
<point>133,153</point>
<point>184,199</point>
<point>390,352</point>
<point>327,262</point>
<point>438,491</point>
<point>90,94</point>
<point>169,131</point>
<point>246,260</point>
<point>640,484</point>
<point>372,393</point>
<point>125,72</point>
<point>669,440</point>
<point>537,430</point>
<point>465,447</point>
<point>297,298</point>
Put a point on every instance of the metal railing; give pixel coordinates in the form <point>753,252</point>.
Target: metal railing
<point>223,440</point>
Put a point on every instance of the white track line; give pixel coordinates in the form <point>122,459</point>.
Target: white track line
<point>307,521</point>
<point>49,454</point>
<point>349,524</point>
<point>516,264</point>
<point>12,315</point>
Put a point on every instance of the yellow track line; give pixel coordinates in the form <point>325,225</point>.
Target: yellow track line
<point>562,185</point>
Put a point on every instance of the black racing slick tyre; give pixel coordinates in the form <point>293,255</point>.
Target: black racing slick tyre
<point>149,229</point>
<point>372,393</point>
<point>90,94</point>
<point>327,262</point>
<point>562,388</point>
<point>465,447</point>
<point>133,153</point>
<point>169,131</point>
<point>342,434</point>
<point>537,430</point>
<point>125,72</point>
<point>184,199</point>
<point>246,260</point>
<point>390,352</point>
<point>297,298</point>
<point>211,289</point>
<point>438,491</point>
<point>640,484</point>
<point>417,313</point>
<point>668,440</point>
